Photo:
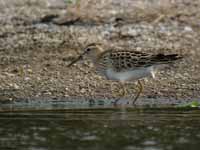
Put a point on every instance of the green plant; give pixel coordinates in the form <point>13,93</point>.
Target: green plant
<point>71,1</point>
<point>193,104</point>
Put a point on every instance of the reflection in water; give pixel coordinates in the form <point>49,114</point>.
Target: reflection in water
<point>100,129</point>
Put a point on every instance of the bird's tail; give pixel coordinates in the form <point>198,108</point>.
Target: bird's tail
<point>163,59</point>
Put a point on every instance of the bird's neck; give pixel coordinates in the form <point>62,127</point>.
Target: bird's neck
<point>99,56</point>
<point>95,57</point>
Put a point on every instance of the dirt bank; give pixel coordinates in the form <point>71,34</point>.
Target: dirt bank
<point>34,52</point>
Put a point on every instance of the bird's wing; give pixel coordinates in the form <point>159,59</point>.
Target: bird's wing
<point>126,60</point>
<point>130,60</point>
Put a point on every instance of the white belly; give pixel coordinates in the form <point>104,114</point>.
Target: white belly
<point>129,75</point>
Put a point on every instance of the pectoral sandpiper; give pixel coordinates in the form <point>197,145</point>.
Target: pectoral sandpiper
<point>125,65</point>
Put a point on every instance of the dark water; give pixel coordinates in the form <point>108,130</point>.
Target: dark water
<point>101,129</point>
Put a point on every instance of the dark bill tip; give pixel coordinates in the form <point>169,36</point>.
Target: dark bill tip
<point>74,61</point>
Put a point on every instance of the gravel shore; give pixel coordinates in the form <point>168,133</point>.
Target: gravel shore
<point>37,41</point>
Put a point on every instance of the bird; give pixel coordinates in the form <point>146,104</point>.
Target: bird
<point>125,65</point>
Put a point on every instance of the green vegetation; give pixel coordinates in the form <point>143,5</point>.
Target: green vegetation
<point>193,104</point>
<point>71,1</point>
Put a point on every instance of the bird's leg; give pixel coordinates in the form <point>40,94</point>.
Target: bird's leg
<point>140,87</point>
<point>112,89</point>
<point>122,92</point>
<point>113,92</point>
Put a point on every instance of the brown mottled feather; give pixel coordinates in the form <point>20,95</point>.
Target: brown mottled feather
<point>127,60</point>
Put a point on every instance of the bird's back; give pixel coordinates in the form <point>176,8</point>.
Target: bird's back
<point>130,60</point>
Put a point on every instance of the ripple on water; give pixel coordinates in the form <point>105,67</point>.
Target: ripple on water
<point>101,128</point>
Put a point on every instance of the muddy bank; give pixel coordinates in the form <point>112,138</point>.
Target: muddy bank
<point>34,52</point>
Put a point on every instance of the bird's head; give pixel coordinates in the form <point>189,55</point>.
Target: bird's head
<point>92,51</point>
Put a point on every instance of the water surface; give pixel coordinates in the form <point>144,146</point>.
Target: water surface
<point>99,129</point>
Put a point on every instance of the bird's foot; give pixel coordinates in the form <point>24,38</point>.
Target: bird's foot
<point>122,102</point>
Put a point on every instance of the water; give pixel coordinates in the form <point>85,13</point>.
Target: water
<point>101,129</point>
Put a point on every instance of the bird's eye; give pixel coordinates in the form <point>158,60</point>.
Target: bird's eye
<point>88,49</point>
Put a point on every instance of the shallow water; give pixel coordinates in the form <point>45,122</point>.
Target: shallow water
<point>99,129</point>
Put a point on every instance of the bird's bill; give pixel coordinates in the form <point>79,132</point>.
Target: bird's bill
<point>77,59</point>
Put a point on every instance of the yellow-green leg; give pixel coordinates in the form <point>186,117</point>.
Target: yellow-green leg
<point>140,87</point>
<point>122,92</point>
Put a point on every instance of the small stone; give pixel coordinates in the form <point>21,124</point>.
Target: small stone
<point>188,29</point>
<point>83,90</point>
<point>27,78</point>
<point>29,70</point>
<point>16,86</point>
<point>132,32</point>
